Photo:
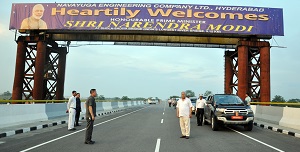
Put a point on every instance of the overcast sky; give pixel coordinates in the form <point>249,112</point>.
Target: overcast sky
<point>135,71</point>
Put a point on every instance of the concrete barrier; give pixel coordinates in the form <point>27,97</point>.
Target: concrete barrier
<point>290,118</point>
<point>268,114</point>
<point>129,103</point>
<point>125,104</point>
<point>16,114</point>
<point>114,105</point>
<point>121,104</point>
<point>20,114</point>
<point>283,116</point>
<point>106,105</point>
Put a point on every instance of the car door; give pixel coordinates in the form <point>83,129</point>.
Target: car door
<point>207,108</point>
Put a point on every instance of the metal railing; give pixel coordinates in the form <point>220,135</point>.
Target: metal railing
<point>280,104</point>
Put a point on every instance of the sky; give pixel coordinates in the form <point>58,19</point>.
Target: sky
<point>139,71</point>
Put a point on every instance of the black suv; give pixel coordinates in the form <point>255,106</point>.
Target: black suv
<point>227,109</point>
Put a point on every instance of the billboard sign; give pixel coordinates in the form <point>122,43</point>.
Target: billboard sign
<point>243,20</point>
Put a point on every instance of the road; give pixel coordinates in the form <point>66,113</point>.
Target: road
<point>150,128</point>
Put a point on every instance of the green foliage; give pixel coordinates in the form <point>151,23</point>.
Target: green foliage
<point>278,98</point>
<point>174,97</point>
<point>189,93</point>
<point>116,98</point>
<point>207,93</point>
<point>125,98</point>
<point>293,100</point>
<point>101,97</point>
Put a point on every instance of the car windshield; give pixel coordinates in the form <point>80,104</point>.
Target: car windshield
<point>228,100</point>
<point>193,100</point>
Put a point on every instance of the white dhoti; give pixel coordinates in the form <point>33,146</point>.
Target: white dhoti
<point>71,122</point>
<point>185,126</point>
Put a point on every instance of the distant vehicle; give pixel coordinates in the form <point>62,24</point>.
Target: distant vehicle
<point>152,101</point>
<point>227,109</point>
<point>193,100</point>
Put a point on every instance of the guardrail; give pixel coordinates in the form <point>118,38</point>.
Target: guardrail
<point>277,104</point>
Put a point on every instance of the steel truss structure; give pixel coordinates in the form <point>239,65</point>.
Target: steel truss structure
<point>247,70</point>
<point>40,69</point>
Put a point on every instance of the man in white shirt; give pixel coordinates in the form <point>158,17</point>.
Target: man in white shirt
<point>184,113</point>
<point>72,110</point>
<point>247,99</point>
<point>200,103</point>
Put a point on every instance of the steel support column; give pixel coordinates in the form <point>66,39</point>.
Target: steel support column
<point>61,74</point>
<point>243,71</point>
<point>265,85</point>
<point>19,71</point>
<point>38,88</point>
<point>228,72</point>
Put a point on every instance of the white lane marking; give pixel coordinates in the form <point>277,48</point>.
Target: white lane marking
<point>2,142</point>
<point>256,140</point>
<point>162,121</point>
<point>50,141</point>
<point>163,113</point>
<point>157,145</point>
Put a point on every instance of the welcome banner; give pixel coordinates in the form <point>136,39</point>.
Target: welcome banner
<point>244,20</point>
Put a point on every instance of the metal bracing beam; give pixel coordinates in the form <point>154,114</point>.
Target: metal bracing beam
<point>145,38</point>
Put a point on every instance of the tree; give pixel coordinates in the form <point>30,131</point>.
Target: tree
<point>125,98</point>
<point>278,98</point>
<point>294,100</point>
<point>189,93</point>
<point>140,98</point>
<point>174,97</point>
<point>101,97</point>
<point>7,93</point>
<point>116,98</point>
<point>207,93</point>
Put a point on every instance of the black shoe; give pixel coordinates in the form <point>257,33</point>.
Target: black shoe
<point>187,137</point>
<point>72,129</point>
<point>89,142</point>
<point>198,125</point>
<point>78,125</point>
<point>183,137</point>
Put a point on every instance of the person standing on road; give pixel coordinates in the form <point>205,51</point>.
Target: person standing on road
<point>170,102</point>
<point>78,109</point>
<point>90,116</point>
<point>71,106</point>
<point>247,99</point>
<point>184,113</point>
<point>200,109</point>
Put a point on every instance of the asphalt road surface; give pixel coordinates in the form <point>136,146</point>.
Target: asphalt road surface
<point>152,128</point>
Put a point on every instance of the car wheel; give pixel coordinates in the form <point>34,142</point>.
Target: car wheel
<point>249,126</point>
<point>214,124</point>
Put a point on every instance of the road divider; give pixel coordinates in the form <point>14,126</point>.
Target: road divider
<point>16,114</point>
<point>283,116</point>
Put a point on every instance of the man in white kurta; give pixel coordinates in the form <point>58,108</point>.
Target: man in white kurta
<point>184,113</point>
<point>71,106</point>
<point>247,99</point>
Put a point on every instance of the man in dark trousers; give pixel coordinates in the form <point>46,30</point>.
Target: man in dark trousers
<point>78,109</point>
<point>200,109</point>
<point>90,116</point>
